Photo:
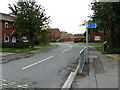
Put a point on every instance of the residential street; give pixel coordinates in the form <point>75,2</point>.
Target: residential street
<point>46,46</point>
<point>44,70</point>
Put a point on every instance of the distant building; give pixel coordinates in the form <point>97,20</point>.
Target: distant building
<point>65,36</point>
<point>60,36</point>
<point>79,37</point>
<point>55,34</point>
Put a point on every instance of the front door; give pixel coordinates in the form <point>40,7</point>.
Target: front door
<point>14,39</point>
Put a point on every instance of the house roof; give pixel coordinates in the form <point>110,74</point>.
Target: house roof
<point>79,36</point>
<point>6,17</point>
<point>66,34</point>
<point>55,30</point>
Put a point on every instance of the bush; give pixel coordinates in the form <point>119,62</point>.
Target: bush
<point>15,45</point>
<point>37,41</point>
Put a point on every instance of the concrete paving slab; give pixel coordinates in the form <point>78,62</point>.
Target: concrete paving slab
<point>81,82</point>
<point>92,77</point>
<point>107,81</point>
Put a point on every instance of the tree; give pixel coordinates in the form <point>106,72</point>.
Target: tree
<point>29,18</point>
<point>106,15</point>
<point>45,36</point>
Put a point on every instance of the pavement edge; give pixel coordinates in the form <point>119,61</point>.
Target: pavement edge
<point>68,82</point>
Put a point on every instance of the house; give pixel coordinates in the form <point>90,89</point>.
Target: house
<point>58,36</point>
<point>65,36</point>
<point>79,37</point>
<point>70,37</point>
<point>55,34</point>
<point>6,32</point>
<point>94,36</point>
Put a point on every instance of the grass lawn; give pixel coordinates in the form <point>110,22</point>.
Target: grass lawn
<point>99,43</point>
<point>96,43</point>
<point>101,49</point>
<point>16,50</point>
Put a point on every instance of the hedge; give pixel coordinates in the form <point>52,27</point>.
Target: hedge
<point>15,45</point>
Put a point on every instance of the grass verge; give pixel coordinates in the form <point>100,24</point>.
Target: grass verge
<point>99,43</point>
<point>101,49</point>
<point>17,50</point>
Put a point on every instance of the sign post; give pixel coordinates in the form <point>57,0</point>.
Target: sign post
<point>89,25</point>
<point>87,44</point>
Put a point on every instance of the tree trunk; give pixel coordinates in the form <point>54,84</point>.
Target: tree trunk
<point>32,44</point>
<point>112,36</point>
<point>31,41</point>
<point>105,45</point>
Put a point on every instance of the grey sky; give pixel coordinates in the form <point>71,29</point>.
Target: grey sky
<point>66,15</point>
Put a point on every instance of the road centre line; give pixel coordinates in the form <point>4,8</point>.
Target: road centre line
<point>66,49</point>
<point>36,63</point>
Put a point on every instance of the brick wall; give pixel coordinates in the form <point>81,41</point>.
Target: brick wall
<point>94,36</point>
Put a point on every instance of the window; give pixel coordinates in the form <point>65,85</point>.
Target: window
<point>25,39</point>
<point>6,39</point>
<point>97,38</point>
<point>6,24</point>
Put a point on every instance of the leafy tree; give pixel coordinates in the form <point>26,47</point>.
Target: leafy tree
<point>29,18</point>
<point>45,36</point>
<point>106,15</point>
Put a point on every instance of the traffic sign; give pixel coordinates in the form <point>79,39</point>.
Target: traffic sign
<point>91,25</point>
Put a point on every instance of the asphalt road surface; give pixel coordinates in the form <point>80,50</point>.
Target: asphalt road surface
<point>43,69</point>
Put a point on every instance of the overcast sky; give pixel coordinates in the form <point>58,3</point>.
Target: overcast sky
<point>66,15</point>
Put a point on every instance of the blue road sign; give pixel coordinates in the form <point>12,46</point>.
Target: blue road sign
<point>91,25</point>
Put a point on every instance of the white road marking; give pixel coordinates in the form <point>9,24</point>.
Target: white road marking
<point>67,49</point>
<point>37,62</point>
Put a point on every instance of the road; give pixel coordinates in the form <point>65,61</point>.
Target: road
<point>44,70</point>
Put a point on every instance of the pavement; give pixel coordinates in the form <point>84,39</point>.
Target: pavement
<point>43,69</point>
<point>101,72</point>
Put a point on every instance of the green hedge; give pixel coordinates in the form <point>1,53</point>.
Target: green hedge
<point>15,45</point>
